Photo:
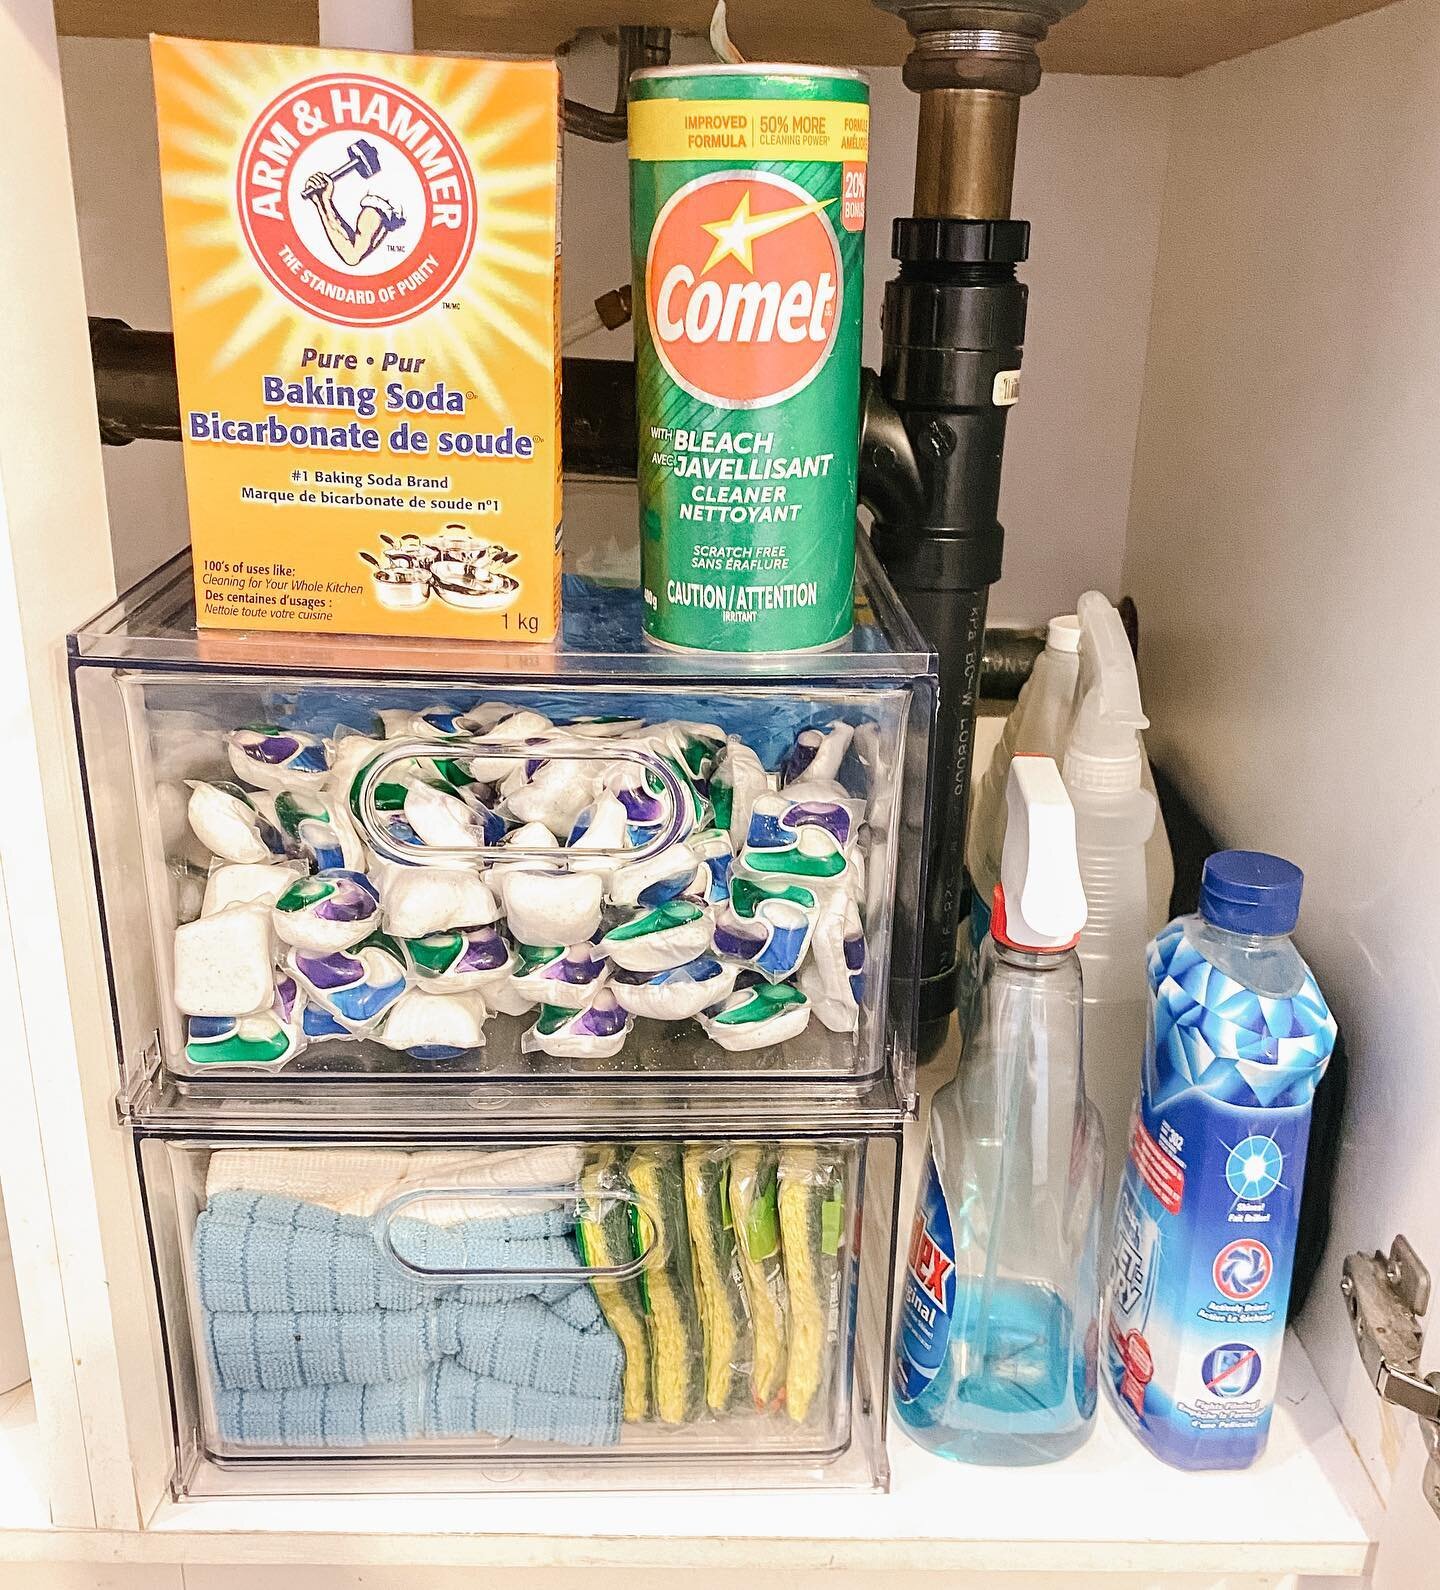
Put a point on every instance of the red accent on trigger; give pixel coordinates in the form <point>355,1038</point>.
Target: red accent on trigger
<point>998,933</point>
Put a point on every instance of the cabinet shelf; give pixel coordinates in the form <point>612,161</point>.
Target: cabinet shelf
<point>1110,1509</point>
<point>1135,38</point>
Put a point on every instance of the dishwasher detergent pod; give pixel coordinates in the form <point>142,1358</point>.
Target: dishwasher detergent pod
<point>363,284</point>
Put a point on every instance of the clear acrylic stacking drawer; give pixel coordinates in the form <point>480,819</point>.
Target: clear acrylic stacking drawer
<point>347,874</point>
<point>389,1314</point>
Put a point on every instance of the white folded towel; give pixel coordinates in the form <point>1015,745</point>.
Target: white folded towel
<point>362,1181</point>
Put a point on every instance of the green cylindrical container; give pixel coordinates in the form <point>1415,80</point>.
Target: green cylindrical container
<point>747,222</point>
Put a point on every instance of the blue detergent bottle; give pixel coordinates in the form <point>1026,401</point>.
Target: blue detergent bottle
<point>1204,1239</point>
<point>998,1332</point>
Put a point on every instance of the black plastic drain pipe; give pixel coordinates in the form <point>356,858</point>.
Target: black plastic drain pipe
<point>934,427</point>
<point>931,448</point>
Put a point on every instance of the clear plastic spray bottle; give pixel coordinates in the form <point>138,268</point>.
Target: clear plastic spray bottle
<point>998,1331</point>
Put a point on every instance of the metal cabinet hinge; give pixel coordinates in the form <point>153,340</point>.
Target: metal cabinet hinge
<point>1387,1295</point>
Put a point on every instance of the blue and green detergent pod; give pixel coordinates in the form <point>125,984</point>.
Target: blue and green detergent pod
<point>265,1040</point>
<point>757,1016</point>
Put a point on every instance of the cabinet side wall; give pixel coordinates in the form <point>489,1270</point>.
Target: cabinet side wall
<point>1282,550</point>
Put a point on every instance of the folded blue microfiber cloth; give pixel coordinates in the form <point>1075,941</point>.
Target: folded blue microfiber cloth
<point>260,1251</point>
<point>520,1342</point>
<point>317,1337</point>
<point>446,1401</point>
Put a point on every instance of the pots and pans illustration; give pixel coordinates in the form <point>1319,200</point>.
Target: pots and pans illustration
<point>461,570</point>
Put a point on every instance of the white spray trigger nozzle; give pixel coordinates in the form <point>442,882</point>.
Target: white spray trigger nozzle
<point>1103,750</point>
<point>1044,901</point>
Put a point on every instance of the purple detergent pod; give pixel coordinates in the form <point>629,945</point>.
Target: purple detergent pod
<point>757,1016</point>
<point>272,758</point>
<point>602,826</point>
<point>639,791</point>
<point>737,783</point>
<point>595,1033</point>
<point>484,715</point>
<point>329,911</point>
<point>816,756</point>
<point>715,861</point>
<point>316,1022</point>
<point>690,750</point>
<point>767,925</point>
<point>808,839</point>
<point>553,791</point>
<point>661,877</point>
<point>661,936</point>
<point>517,729</point>
<point>264,1041</point>
<point>460,960</point>
<point>694,746</point>
<point>356,986</point>
<point>679,992</point>
<point>468,960</point>
<point>390,820</point>
<point>318,828</point>
<point>833,979</point>
<point>350,754</point>
<point>430,723</point>
<point>564,977</point>
<point>880,780</point>
<point>449,820</point>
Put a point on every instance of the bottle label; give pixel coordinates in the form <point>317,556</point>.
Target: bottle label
<point>928,1303</point>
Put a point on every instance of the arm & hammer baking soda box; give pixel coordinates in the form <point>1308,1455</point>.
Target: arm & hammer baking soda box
<point>364,281</point>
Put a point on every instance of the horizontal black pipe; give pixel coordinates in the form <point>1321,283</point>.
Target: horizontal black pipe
<point>637,49</point>
<point>135,391</point>
<point>137,399</point>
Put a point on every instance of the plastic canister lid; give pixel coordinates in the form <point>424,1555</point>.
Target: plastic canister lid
<point>1063,633</point>
<point>1248,891</point>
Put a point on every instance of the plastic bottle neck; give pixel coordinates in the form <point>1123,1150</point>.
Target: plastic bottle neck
<point>1103,775</point>
<point>1248,941</point>
<point>1031,960</point>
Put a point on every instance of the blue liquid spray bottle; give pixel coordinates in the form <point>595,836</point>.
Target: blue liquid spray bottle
<point>997,1338</point>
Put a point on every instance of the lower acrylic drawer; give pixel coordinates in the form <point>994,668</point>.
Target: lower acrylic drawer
<point>403,1316</point>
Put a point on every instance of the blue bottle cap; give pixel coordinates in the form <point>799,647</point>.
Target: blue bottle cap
<point>1247,891</point>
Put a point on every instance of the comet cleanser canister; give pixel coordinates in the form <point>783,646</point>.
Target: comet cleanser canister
<point>747,192</point>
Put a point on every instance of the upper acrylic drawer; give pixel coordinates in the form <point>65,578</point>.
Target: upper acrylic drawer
<point>336,869</point>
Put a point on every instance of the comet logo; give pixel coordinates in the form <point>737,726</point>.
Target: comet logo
<point>744,287</point>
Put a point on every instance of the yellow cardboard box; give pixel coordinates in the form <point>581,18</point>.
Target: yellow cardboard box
<point>363,276</point>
